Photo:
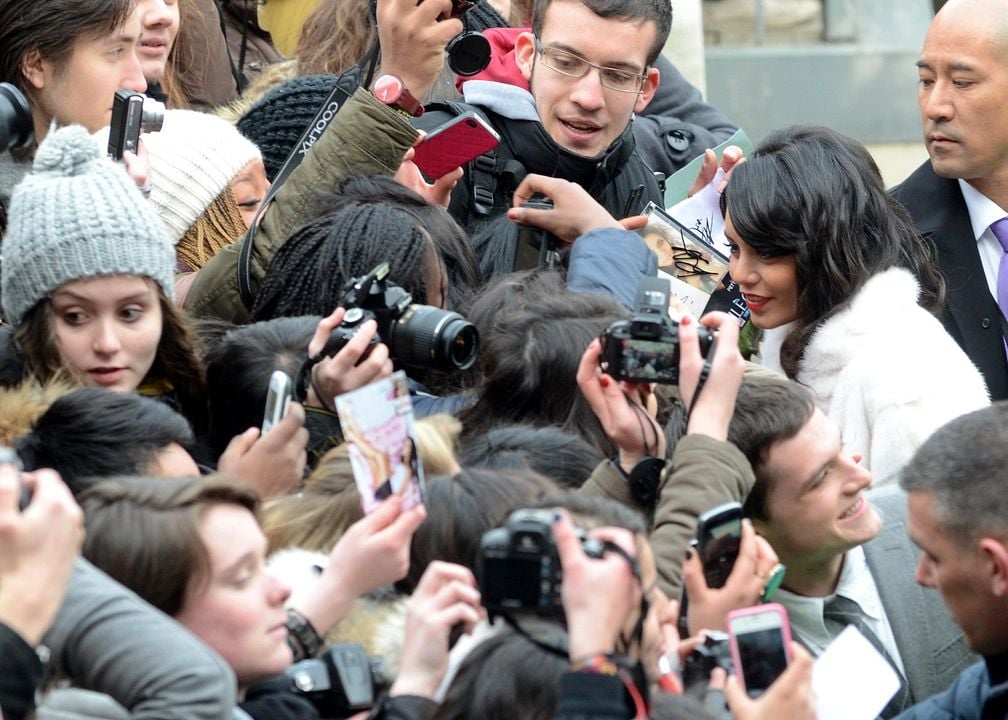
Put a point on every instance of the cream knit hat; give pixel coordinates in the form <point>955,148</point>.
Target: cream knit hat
<point>192,160</point>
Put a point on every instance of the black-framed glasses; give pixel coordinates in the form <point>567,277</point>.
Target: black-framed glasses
<point>575,66</point>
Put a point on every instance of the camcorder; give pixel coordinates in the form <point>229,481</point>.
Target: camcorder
<point>518,569</point>
<point>341,682</point>
<point>646,347</point>
<point>419,336</point>
<point>132,113</point>
<point>17,129</point>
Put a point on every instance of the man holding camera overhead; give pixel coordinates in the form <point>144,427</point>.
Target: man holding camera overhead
<point>588,66</point>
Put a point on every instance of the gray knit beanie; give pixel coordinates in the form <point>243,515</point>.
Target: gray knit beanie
<point>78,215</point>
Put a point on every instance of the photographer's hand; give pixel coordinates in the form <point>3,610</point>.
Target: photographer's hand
<point>413,40</point>
<point>620,408</point>
<point>574,212</point>
<point>341,373</point>
<point>38,547</point>
<point>716,403</point>
<point>599,595</point>
<point>446,596</point>
<point>374,551</point>
<point>272,464</point>
<point>790,696</point>
<point>744,587</point>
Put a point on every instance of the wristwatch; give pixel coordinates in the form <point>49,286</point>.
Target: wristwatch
<point>303,638</point>
<point>391,90</point>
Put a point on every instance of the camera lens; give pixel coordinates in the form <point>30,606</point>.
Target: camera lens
<point>16,127</point>
<point>152,117</point>
<point>426,336</point>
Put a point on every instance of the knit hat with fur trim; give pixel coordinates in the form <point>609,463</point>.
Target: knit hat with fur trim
<point>192,160</point>
<point>78,215</point>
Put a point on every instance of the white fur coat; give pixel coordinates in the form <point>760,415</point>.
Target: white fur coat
<point>888,374</point>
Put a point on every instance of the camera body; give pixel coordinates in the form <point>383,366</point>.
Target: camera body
<point>16,125</point>
<point>646,347</point>
<point>420,336</point>
<point>132,114</point>
<point>714,651</point>
<point>518,568</point>
<point>339,683</point>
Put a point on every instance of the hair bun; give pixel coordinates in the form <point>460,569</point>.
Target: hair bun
<point>69,153</point>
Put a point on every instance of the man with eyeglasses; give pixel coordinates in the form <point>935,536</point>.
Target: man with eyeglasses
<point>588,65</point>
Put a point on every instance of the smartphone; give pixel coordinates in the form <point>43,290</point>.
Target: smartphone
<point>453,144</point>
<point>278,398</point>
<point>760,638</point>
<point>718,538</point>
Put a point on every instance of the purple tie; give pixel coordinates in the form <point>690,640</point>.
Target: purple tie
<point>1000,230</point>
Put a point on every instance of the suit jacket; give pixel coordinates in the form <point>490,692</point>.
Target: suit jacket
<point>929,642</point>
<point>971,313</point>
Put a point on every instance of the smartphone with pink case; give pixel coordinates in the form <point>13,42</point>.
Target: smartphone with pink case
<point>453,144</point>
<point>760,638</point>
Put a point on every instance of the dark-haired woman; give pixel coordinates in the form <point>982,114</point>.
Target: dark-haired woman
<point>832,268</point>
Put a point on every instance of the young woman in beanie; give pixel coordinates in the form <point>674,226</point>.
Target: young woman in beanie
<point>87,279</point>
<point>87,283</point>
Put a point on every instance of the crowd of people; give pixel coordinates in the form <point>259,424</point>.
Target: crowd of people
<point>163,556</point>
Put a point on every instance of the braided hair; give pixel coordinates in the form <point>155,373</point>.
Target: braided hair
<point>309,272</point>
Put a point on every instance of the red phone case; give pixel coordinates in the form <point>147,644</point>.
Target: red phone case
<point>744,613</point>
<point>453,144</point>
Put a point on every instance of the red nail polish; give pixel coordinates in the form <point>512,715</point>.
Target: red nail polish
<point>604,381</point>
<point>686,320</point>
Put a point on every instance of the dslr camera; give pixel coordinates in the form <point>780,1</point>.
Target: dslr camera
<point>646,347</point>
<point>16,126</point>
<point>420,336</point>
<point>518,568</point>
<point>340,683</point>
<point>132,114</point>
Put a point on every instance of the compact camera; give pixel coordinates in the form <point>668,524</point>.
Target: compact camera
<point>713,652</point>
<point>518,568</point>
<point>646,347</point>
<point>536,248</point>
<point>420,336</point>
<point>132,114</point>
<point>16,125</point>
<point>340,683</point>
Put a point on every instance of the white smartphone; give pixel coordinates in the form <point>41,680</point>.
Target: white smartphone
<point>760,639</point>
<point>278,398</point>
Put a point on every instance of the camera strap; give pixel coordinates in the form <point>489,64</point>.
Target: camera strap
<point>332,105</point>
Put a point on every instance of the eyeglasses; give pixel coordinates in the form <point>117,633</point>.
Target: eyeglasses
<point>574,66</point>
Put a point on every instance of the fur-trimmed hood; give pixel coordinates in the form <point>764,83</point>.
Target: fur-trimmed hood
<point>24,404</point>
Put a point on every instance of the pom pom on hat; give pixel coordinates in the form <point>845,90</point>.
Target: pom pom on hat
<point>78,215</point>
<point>193,159</point>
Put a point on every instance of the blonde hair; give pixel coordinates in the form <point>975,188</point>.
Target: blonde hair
<point>220,225</point>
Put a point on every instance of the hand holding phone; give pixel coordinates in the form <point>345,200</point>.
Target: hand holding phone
<point>453,144</point>
<point>719,538</point>
<point>760,638</point>
<point>278,398</point>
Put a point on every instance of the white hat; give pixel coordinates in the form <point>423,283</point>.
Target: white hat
<point>193,159</point>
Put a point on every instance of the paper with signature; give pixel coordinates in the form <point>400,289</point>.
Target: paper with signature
<point>695,268</point>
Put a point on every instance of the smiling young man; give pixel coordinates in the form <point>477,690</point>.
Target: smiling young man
<point>810,502</point>
<point>589,68</point>
<point>962,190</point>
